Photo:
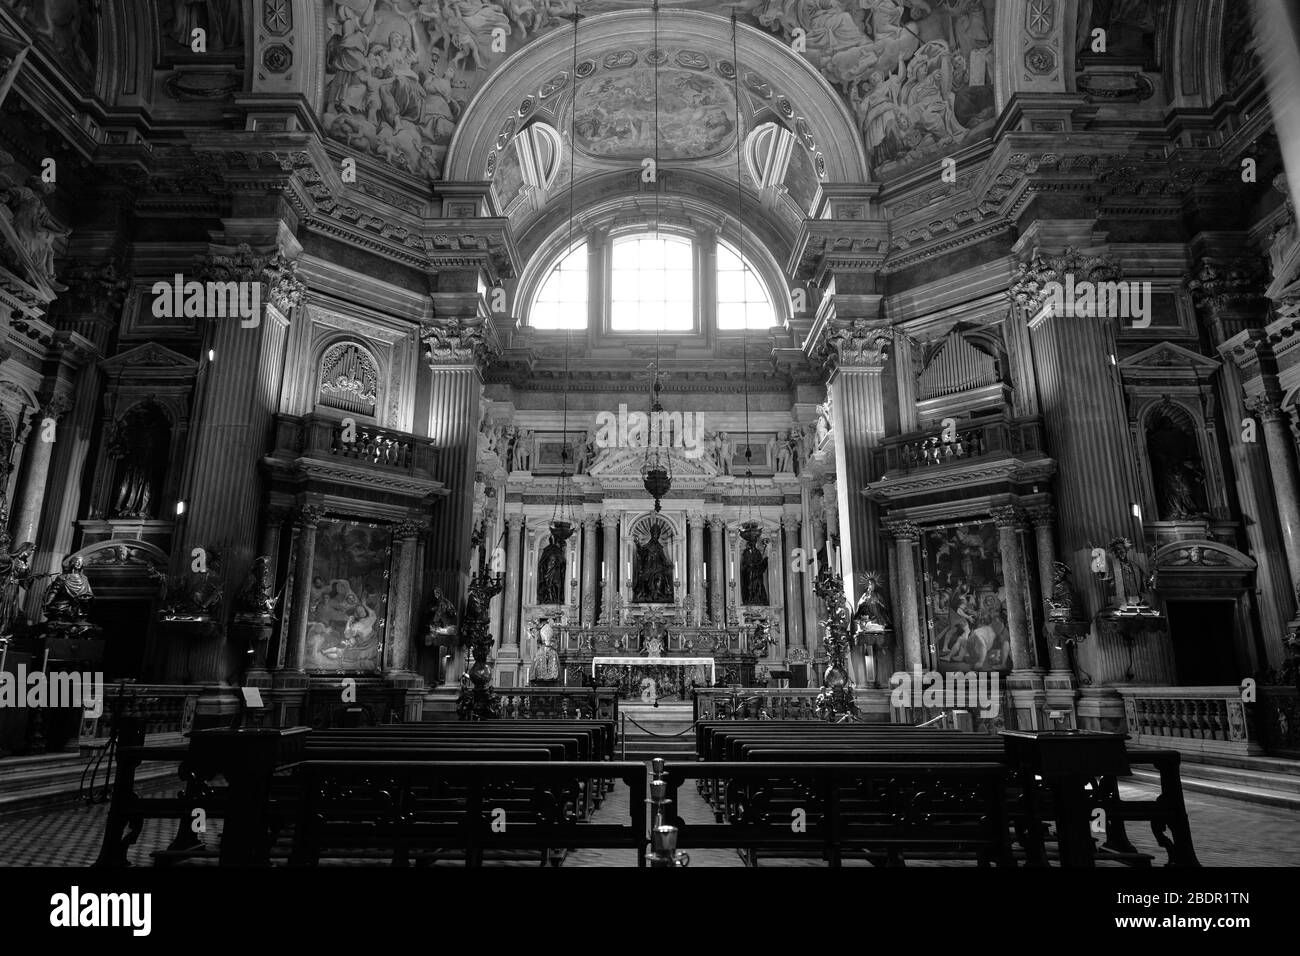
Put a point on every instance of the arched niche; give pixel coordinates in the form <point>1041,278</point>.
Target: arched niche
<point>139,447</point>
<point>1176,463</point>
<point>638,533</point>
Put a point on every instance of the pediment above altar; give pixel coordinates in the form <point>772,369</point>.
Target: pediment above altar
<point>627,462</point>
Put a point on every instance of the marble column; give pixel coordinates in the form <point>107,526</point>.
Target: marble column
<point>309,515</point>
<point>717,572</point>
<point>1280,445</point>
<point>609,523</point>
<point>857,392</point>
<point>589,569</point>
<point>398,660</point>
<point>44,432</point>
<point>1009,525</point>
<point>695,571</point>
<point>513,584</point>
<point>811,602</point>
<point>458,344</point>
<point>793,580</point>
<point>907,619</point>
<point>1043,518</point>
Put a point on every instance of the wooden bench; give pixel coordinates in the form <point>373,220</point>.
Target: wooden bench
<point>885,812</point>
<point>423,811</point>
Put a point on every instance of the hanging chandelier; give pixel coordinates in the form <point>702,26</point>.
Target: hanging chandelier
<point>657,469</point>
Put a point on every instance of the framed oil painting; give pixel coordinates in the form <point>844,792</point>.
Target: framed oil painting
<point>349,596</point>
<point>547,452</point>
<point>965,601</point>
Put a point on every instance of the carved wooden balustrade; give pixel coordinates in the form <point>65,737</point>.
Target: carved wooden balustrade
<point>981,438</point>
<point>550,703</point>
<point>756,703</point>
<point>159,708</point>
<point>1203,719</point>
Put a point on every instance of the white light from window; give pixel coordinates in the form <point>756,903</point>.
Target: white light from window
<point>652,284</point>
<point>743,302</point>
<point>562,301</point>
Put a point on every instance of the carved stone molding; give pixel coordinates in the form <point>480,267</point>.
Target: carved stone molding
<point>309,515</point>
<point>903,530</point>
<point>407,529</point>
<point>276,271</point>
<point>1041,515</point>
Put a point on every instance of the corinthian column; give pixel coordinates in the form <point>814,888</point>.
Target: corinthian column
<point>695,570</point>
<point>793,581</point>
<point>589,569</point>
<point>1042,518</point>
<point>609,522</point>
<point>717,609</point>
<point>308,517</point>
<point>1008,522</point>
<point>1282,466</point>
<point>457,349</point>
<point>905,535</point>
<point>513,584</point>
<point>40,448</point>
<point>398,630</point>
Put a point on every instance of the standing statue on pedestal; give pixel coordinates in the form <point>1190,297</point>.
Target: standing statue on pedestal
<point>753,567</point>
<point>15,574</point>
<point>69,597</point>
<point>257,598</point>
<point>546,661</point>
<point>871,616</point>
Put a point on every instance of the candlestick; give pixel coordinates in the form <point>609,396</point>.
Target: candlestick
<point>45,664</point>
<point>4,656</point>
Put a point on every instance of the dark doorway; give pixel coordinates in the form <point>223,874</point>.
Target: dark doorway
<point>1205,640</point>
<point>125,622</point>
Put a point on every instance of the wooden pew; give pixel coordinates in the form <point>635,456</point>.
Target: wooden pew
<point>424,810</point>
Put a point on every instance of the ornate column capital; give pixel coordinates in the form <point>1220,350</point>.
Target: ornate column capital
<point>717,522</point>
<point>269,266</point>
<point>903,530</point>
<point>589,522</point>
<point>695,519</point>
<point>52,406</point>
<point>408,530</point>
<point>1041,515</point>
<point>791,521</point>
<point>309,515</point>
<point>858,343</point>
<point>515,522</point>
<point>1033,284</point>
<point>453,341</point>
<point>1008,516</point>
<point>1222,284</point>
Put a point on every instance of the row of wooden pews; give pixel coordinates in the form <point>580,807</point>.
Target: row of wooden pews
<point>892,793</point>
<point>403,793</point>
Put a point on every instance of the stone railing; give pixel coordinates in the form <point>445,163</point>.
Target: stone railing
<point>1194,719</point>
<point>322,438</point>
<point>978,438</point>
<point>549,703</point>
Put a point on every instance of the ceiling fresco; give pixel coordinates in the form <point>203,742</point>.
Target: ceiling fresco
<point>916,74</point>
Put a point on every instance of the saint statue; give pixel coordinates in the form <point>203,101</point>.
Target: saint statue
<point>872,613</point>
<point>257,598</point>
<point>1063,607</point>
<point>550,573</point>
<point>441,619</point>
<point>546,661</point>
<point>753,568</point>
<point>15,574</point>
<point>654,571</point>
<point>69,596</point>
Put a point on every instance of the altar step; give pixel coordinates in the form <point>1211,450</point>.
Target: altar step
<point>663,731</point>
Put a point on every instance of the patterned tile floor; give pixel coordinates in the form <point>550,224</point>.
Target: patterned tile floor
<point>1225,832</point>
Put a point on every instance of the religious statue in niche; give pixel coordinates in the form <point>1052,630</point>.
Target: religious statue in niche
<point>652,581</point>
<point>753,567</point>
<point>1132,586</point>
<point>1176,470</point>
<point>872,613</point>
<point>550,571</point>
<point>139,443</point>
<point>15,574</point>
<point>783,454</point>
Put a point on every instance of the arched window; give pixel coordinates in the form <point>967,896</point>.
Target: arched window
<point>652,284</point>
<point>562,302</point>
<point>743,302</point>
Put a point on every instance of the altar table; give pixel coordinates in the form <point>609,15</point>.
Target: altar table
<point>639,662</point>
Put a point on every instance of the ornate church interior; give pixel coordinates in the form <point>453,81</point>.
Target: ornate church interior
<point>423,415</point>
